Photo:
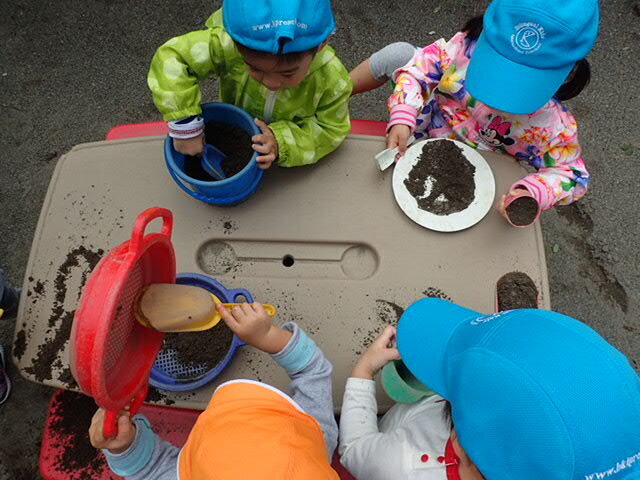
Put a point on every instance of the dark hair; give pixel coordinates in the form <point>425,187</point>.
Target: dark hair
<point>286,58</point>
<point>446,412</point>
<point>577,80</point>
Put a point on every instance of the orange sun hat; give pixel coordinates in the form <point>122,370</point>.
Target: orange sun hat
<point>252,430</point>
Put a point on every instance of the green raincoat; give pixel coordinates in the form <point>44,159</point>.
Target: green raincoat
<point>309,121</point>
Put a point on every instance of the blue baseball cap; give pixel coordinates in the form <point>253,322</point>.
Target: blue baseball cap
<point>527,49</point>
<point>279,26</point>
<point>534,394</point>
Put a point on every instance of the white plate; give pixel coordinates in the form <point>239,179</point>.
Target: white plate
<point>482,203</point>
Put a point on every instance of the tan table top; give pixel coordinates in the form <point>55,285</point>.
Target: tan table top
<point>356,254</point>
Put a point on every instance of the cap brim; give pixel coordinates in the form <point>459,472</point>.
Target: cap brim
<point>509,86</point>
<point>424,331</point>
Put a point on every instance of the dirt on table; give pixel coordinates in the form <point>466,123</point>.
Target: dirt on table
<point>77,459</point>
<point>442,181</point>
<point>231,140</point>
<point>200,349</point>
<point>61,320</point>
<point>20,344</point>
<point>516,290</point>
<point>522,211</point>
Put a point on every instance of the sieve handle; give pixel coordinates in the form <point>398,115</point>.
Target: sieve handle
<point>144,219</point>
<point>110,425</point>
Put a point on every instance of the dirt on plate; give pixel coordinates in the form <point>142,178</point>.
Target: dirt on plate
<point>516,290</point>
<point>231,140</point>
<point>442,181</point>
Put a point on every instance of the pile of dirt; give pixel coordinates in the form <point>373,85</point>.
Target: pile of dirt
<point>200,349</point>
<point>516,290</point>
<point>231,140</point>
<point>75,457</point>
<point>522,211</point>
<point>61,320</point>
<point>442,180</point>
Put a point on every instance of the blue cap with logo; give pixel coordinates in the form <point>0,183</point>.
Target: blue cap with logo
<point>279,26</point>
<point>527,49</point>
<point>534,394</point>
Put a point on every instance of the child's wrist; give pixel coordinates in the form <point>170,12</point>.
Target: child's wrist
<point>362,371</point>
<point>275,340</point>
<point>121,450</point>
<point>187,128</point>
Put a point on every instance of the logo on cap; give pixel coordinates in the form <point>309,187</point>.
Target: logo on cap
<point>487,318</point>
<point>528,38</point>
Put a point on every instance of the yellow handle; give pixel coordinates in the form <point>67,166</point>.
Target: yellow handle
<point>270,309</point>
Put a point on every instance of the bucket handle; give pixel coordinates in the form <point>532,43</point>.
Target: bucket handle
<point>235,293</point>
<point>147,217</point>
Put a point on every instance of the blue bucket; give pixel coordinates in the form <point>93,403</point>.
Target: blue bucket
<point>169,374</point>
<point>229,191</point>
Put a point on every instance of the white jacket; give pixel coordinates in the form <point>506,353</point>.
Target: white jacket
<point>408,443</point>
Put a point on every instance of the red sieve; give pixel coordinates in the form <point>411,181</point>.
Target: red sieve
<point>111,353</point>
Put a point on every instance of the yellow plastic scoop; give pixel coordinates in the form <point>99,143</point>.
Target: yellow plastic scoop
<point>169,307</point>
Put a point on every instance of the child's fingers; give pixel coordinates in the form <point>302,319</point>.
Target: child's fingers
<point>247,309</point>
<point>125,427</point>
<point>262,126</point>
<point>262,147</point>
<point>95,430</point>
<point>266,158</point>
<point>228,318</point>
<point>258,308</point>
<point>391,354</point>
<point>387,337</point>
<point>260,139</point>
<point>98,416</point>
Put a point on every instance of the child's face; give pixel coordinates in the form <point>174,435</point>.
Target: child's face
<point>276,74</point>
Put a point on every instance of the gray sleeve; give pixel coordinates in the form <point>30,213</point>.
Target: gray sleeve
<point>386,61</point>
<point>311,382</point>
<point>163,464</point>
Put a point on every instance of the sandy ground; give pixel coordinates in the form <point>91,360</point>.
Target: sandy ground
<point>69,71</point>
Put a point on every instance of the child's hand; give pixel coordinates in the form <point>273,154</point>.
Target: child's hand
<point>189,146</point>
<point>124,439</point>
<point>398,136</point>
<point>377,356</point>
<point>266,144</point>
<point>252,324</point>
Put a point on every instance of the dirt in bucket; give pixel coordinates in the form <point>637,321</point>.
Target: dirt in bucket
<point>442,180</point>
<point>200,349</point>
<point>77,459</point>
<point>231,140</point>
<point>516,290</point>
<point>522,211</point>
